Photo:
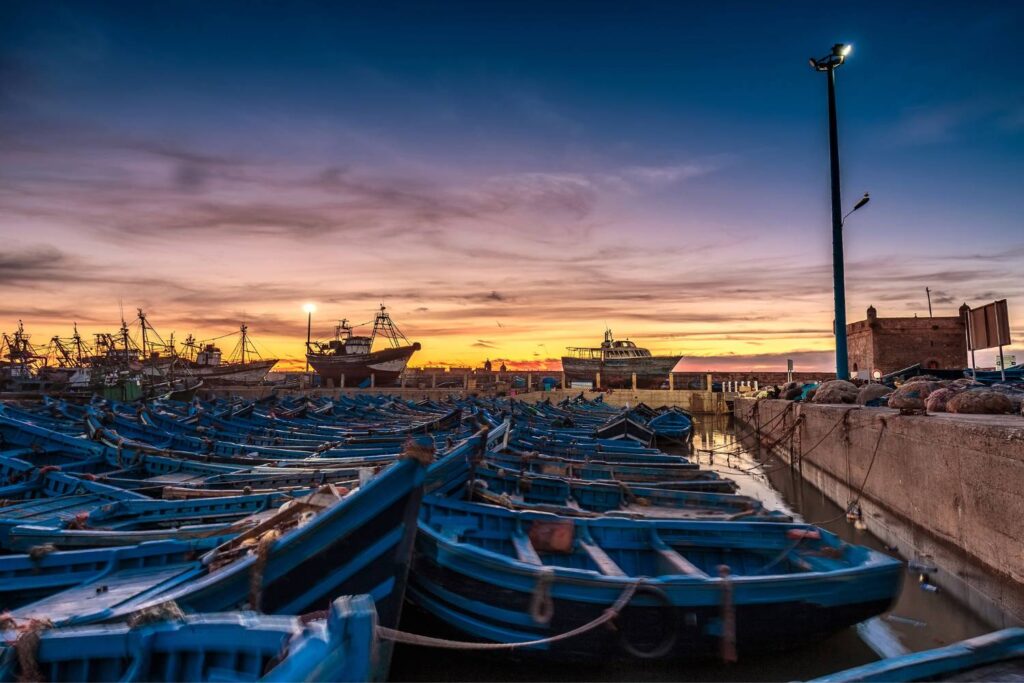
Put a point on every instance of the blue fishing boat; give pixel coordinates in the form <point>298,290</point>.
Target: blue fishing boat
<point>674,424</point>
<point>295,561</point>
<point>240,646</point>
<point>997,656</point>
<point>683,476</point>
<point>579,498</point>
<point>626,426</point>
<point>678,589</point>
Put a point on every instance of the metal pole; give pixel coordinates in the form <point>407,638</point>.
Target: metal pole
<point>928,291</point>
<point>309,328</point>
<point>999,332</point>
<point>838,274</point>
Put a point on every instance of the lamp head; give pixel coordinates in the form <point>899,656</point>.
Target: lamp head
<point>309,308</point>
<point>862,201</point>
<point>838,55</point>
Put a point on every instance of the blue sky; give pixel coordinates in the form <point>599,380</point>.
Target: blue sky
<point>663,163</point>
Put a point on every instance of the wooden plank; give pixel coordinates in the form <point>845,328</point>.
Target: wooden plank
<point>680,564</point>
<point>525,549</point>
<point>605,564</point>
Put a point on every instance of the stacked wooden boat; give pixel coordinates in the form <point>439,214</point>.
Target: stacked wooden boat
<point>147,553</point>
<point>242,539</point>
<point>528,548</point>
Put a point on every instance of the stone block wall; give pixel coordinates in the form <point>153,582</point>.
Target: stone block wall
<point>949,486</point>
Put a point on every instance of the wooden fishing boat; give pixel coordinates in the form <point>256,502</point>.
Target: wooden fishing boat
<point>576,498</point>
<point>997,656</point>
<point>683,476</point>
<point>681,589</point>
<point>294,562</point>
<point>240,646</point>
<point>617,363</point>
<point>674,425</point>
<point>349,360</point>
<point>626,426</point>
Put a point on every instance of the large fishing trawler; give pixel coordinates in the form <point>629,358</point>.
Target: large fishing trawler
<point>349,360</point>
<point>617,361</point>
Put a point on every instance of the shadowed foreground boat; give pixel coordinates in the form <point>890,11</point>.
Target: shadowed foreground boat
<point>292,563</point>
<point>685,589</point>
<point>240,646</point>
<point>997,656</point>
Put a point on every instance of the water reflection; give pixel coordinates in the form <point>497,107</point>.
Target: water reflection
<point>919,620</point>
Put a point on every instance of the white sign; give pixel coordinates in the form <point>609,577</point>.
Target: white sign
<point>1007,361</point>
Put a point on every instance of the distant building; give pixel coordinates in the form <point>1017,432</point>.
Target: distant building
<point>891,344</point>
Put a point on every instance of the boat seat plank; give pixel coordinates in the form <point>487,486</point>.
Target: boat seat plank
<point>524,549</point>
<point>605,564</point>
<point>677,562</point>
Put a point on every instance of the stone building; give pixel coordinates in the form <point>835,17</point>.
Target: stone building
<point>891,344</point>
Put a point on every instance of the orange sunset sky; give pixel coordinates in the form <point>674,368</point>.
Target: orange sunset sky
<point>507,188</point>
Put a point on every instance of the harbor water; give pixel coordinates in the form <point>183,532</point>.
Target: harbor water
<point>922,618</point>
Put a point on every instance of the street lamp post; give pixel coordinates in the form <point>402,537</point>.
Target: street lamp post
<point>828,65</point>
<point>308,308</point>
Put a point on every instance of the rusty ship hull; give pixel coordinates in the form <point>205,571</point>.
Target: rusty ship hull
<point>651,372</point>
<point>386,366</point>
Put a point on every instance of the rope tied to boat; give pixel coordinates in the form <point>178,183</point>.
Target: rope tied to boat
<point>38,552</point>
<point>542,607</point>
<point>727,641</point>
<point>26,648</point>
<point>79,521</point>
<point>165,611</point>
<point>443,643</point>
<point>259,566</point>
<point>420,449</point>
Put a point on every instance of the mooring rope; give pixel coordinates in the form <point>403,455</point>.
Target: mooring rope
<point>443,643</point>
<point>864,483</point>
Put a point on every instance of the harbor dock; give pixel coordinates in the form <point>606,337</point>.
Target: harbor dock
<point>942,489</point>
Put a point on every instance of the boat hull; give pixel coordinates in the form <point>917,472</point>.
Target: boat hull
<point>473,574</point>
<point>617,373</point>
<point>444,593</point>
<point>385,366</point>
<point>234,373</point>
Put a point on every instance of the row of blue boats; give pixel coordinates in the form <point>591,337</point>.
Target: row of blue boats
<point>279,539</point>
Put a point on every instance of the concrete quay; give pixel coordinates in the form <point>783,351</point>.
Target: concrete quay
<point>943,489</point>
<point>704,402</point>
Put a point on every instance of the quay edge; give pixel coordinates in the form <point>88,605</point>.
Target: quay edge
<point>694,401</point>
<point>942,488</point>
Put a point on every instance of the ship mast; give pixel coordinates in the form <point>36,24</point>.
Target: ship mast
<point>387,329</point>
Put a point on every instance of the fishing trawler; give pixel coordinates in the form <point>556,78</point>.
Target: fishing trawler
<point>203,359</point>
<point>617,361</point>
<point>243,366</point>
<point>349,360</point>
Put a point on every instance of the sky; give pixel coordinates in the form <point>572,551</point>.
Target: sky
<point>508,178</point>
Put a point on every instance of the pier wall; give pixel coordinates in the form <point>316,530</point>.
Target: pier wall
<point>694,401</point>
<point>947,489</point>
<point>704,402</point>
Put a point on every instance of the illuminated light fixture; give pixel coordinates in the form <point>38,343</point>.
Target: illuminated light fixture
<point>309,308</point>
<point>840,51</point>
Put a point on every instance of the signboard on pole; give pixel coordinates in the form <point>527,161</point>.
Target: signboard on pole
<point>1007,362</point>
<point>988,326</point>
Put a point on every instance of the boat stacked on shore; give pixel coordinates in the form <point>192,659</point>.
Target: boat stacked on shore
<point>236,539</point>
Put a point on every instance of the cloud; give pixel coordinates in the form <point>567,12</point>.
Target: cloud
<point>484,344</point>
